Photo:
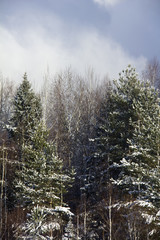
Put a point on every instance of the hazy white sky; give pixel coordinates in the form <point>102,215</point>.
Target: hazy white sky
<point>104,34</point>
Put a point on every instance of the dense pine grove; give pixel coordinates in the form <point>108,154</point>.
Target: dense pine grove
<point>81,159</point>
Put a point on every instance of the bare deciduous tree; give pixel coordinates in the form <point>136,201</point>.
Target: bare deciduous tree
<point>152,73</point>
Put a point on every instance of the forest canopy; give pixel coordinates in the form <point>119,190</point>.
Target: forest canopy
<point>81,159</point>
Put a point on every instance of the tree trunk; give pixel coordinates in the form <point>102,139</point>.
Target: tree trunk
<point>110,217</point>
<point>77,226</point>
<point>1,195</point>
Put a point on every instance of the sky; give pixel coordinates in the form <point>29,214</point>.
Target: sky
<point>40,36</point>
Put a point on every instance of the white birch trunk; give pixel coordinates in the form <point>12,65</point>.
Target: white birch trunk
<point>110,217</point>
<point>1,195</point>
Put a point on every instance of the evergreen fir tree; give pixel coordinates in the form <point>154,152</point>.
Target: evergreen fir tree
<point>69,232</point>
<point>42,180</point>
<point>127,155</point>
<point>27,112</point>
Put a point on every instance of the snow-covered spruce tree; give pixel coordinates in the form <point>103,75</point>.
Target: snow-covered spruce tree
<point>139,169</point>
<point>27,112</point>
<point>42,180</point>
<point>18,112</point>
<point>69,231</point>
<point>127,156</point>
<point>143,155</point>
